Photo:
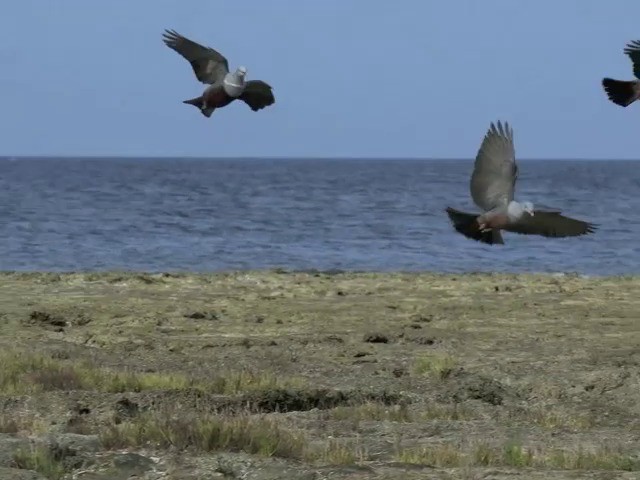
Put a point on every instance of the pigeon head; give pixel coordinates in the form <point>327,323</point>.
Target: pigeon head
<point>515,210</point>
<point>241,71</point>
<point>527,207</point>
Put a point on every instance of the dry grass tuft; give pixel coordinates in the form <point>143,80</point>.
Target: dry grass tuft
<point>437,365</point>
<point>42,460</point>
<point>14,424</point>
<point>517,456</point>
<point>10,424</point>
<point>447,411</point>
<point>206,433</point>
<point>25,373</point>
<point>445,455</point>
<point>556,419</point>
<point>339,452</point>
<point>372,411</point>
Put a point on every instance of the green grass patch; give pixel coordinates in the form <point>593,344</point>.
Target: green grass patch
<point>24,374</point>
<point>206,433</point>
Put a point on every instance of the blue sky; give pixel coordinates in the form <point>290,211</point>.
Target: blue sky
<point>408,78</point>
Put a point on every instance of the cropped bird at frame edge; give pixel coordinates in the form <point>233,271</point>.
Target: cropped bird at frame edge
<point>212,69</point>
<point>492,188</point>
<point>625,92</point>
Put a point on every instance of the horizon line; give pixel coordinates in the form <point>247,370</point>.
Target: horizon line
<point>197,157</point>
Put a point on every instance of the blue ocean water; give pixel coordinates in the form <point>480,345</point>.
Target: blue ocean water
<point>212,215</point>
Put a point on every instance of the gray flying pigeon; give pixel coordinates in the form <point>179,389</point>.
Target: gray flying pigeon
<point>212,68</point>
<point>492,189</point>
<point>625,92</point>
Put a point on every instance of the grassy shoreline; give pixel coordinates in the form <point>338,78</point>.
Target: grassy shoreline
<point>462,373</point>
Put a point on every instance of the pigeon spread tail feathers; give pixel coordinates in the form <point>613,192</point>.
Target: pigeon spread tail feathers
<point>467,225</point>
<point>198,102</point>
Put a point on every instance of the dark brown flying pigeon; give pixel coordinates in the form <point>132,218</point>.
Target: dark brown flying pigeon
<point>625,92</point>
<point>492,189</point>
<point>212,68</point>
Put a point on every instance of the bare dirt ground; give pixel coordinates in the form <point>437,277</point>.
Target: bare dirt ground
<point>276,375</point>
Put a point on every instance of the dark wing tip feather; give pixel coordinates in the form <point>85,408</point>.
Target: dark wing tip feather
<point>552,224</point>
<point>585,228</point>
<point>501,129</point>
<point>632,47</point>
<point>633,52</point>
<point>208,64</point>
<point>591,228</point>
<point>170,37</point>
<point>175,41</point>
